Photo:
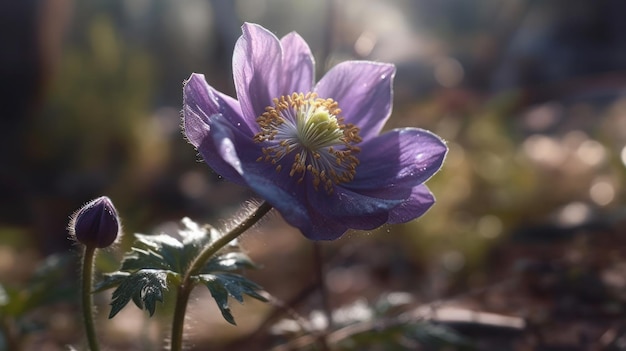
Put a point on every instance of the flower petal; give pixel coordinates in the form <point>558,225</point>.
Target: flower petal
<point>357,211</point>
<point>257,61</point>
<point>213,137</point>
<point>240,154</point>
<point>416,205</point>
<point>364,92</point>
<point>287,203</point>
<point>200,98</point>
<point>298,65</point>
<point>322,227</point>
<point>400,159</point>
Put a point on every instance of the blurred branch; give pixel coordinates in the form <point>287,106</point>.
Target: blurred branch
<point>318,265</point>
<point>477,323</point>
<point>481,323</point>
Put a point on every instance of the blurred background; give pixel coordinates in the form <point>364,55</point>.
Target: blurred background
<point>528,225</point>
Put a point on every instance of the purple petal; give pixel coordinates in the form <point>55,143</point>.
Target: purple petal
<point>238,156</point>
<point>325,227</point>
<point>277,188</point>
<point>298,65</point>
<point>257,61</point>
<point>322,227</point>
<point>363,222</point>
<point>355,210</point>
<point>399,159</point>
<point>97,223</point>
<point>288,203</point>
<point>217,146</point>
<point>416,205</point>
<point>364,92</point>
<point>200,98</point>
<point>224,141</point>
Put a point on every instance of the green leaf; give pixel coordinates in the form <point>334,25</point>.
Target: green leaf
<point>220,294</point>
<point>155,260</point>
<point>229,262</point>
<point>111,280</point>
<point>222,285</point>
<point>169,248</point>
<point>166,252</point>
<point>194,234</point>
<point>145,287</point>
<point>141,258</point>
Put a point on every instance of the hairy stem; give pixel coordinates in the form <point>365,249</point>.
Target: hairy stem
<point>182,297</point>
<point>87,297</point>
<point>184,290</point>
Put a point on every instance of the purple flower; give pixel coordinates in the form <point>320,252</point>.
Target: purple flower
<point>312,151</point>
<point>96,224</point>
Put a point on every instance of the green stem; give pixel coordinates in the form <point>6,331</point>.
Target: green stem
<point>184,290</point>
<point>87,297</point>
<point>182,297</point>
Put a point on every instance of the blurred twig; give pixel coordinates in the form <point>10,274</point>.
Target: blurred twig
<point>318,265</point>
<point>479,322</point>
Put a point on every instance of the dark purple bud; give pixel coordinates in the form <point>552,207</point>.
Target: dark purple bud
<point>96,224</point>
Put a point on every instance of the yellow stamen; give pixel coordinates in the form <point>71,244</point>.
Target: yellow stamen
<point>311,128</point>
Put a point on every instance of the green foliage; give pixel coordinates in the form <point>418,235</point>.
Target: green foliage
<point>144,287</point>
<point>222,285</point>
<point>157,262</point>
<point>43,288</point>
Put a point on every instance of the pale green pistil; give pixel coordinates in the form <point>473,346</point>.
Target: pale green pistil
<point>319,130</point>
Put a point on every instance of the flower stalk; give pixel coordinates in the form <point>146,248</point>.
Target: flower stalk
<point>184,290</point>
<point>87,297</point>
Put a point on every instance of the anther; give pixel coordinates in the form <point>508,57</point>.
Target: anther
<point>312,129</point>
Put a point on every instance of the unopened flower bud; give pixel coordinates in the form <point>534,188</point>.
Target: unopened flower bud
<point>96,224</point>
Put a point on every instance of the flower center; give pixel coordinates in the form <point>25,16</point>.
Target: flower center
<point>309,132</point>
